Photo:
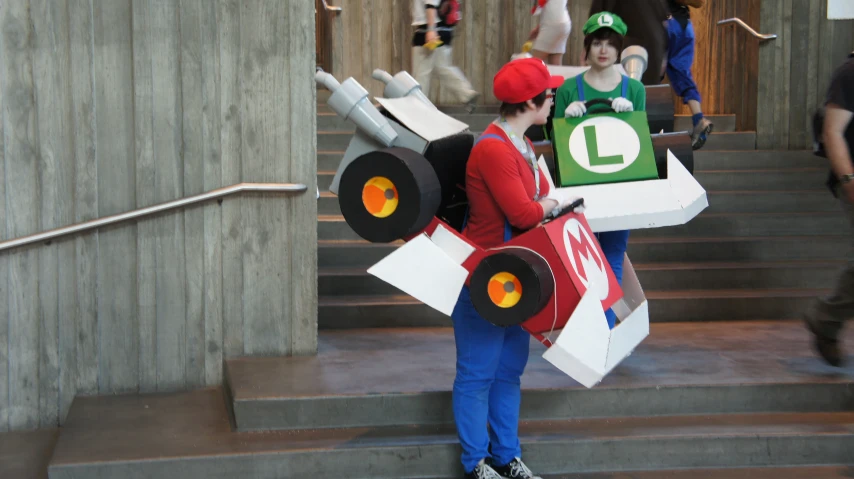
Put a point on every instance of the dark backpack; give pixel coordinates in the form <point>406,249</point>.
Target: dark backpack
<point>449,12</point>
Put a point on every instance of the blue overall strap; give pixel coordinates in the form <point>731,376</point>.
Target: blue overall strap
<point>580,82</point>
<point>625,86</point>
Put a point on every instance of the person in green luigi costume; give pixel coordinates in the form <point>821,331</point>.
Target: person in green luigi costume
<point>603,42</point>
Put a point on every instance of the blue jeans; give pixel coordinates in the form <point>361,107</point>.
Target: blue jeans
<point>614,244</point>
<point>487,388</point>
<point>680,59</point>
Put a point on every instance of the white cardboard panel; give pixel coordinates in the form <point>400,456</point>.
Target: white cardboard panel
<point>456,249</point>
<point>643,204</point>
<point>585,349</point>
<point>429,123</point>
<point>422,270</point>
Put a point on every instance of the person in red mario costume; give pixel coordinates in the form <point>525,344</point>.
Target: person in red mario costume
<point>508,195</point>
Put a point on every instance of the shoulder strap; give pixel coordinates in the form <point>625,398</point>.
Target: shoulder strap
<point>625,86</point>
<point>580,82</point>
<point>487,136</point>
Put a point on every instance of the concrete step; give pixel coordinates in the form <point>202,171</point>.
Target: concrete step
<point>704,160</point>
<point>25,454</point>
<point>706,225</point>
<point>744,201</point>
<point>361,254</point>
<point>404,376</point>
<point>778,179</point>
<point>815,472</point>
<point>760,224</point>
<point>654,277</point>
<point>402,311</point>
<point>188,436</point>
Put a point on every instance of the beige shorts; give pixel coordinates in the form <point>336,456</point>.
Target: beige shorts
<point>552,38</point>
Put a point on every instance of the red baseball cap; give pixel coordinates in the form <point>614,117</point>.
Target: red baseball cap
<point>521,80</point>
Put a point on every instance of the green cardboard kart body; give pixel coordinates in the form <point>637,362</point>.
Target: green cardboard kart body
<point>604,148</point>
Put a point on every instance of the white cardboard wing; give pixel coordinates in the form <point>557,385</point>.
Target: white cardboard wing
<point>586,350</point>
<point>426,121</point>
<point>643,204</point>
<point>428,269</point>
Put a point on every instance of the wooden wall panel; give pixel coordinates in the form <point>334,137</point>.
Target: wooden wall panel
<point>726,61</point>
<point>111,106</point>
<point>795,69</point>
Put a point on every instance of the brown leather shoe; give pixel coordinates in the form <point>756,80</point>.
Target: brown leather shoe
<point>827,347</point>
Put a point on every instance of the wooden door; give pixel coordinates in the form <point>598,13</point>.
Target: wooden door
<point>726,61</point>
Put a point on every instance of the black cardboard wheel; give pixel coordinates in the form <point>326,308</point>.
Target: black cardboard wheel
<point>388,194</point>
<point>510,287</point>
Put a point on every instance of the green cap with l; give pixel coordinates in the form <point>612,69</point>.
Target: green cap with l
<point>605,20</point>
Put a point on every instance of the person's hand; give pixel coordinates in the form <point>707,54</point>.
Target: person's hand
<point>534,33</point>
<point>576,109</point>
<point>567,200</point>
<point>431,36</point>
<point>622,105</point>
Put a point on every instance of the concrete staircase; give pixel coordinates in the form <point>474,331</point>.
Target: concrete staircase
<point>726,386</point>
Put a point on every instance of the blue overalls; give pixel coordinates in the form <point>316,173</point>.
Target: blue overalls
<point>614,243</point>
<point>680,58</point>
<point>487,387</point>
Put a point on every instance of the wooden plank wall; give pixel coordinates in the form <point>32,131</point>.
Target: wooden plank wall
<point>726,62</point>
<point>795,69</point>
<point>113,105</point>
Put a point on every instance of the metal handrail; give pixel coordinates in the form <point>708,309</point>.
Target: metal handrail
<point>330,8</point>
<point>150,210</point>
<point>760,36</point>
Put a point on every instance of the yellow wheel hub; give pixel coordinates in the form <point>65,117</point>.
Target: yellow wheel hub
<point>505,290</point>
<point>380,197</point>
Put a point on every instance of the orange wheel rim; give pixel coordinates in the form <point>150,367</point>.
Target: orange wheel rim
<point>505,290</point>
<point>380,197</point>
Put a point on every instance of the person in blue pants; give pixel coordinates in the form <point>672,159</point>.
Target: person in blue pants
<point>508,194</point>
<point>603,41</point>
<point>680,59</point>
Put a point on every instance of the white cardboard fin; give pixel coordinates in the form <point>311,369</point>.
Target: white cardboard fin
<point>426,121</point>
<point>422,270</point>
<point>457,249</point>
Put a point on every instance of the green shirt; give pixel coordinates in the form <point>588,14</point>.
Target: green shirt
<point>568,93</point>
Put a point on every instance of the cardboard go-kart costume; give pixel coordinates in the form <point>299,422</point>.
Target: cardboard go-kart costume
<point>403,177</point>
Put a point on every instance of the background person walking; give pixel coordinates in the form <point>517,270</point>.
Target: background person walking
<point>428,59</point>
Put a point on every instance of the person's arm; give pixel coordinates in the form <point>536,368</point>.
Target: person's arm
<point>504,183</point>
<point>836,122</point>
<point>563,97</point>
<point>639,101</point>
<point>432,13</point>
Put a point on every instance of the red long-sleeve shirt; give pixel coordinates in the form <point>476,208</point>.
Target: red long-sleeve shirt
<point>500,185</point>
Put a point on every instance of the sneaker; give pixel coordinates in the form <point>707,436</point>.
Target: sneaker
<point>515,470</point>
<point>471,103</point>
<point>483,471</point>
<point>826,346</point>
<point>701,133</point>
